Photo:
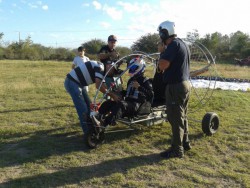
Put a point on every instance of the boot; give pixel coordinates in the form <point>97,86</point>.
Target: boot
<point>171,153</point>
<point>186,144</point>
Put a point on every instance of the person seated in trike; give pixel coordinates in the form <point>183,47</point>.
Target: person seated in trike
<point>137,98</point>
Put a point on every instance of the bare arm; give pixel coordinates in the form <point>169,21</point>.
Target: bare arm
<point>163,64</point>
<point>103,89</point>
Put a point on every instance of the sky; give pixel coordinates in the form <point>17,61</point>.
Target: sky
<point>69,23</point>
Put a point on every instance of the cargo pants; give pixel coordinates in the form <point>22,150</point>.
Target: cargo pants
<point>177,97</point>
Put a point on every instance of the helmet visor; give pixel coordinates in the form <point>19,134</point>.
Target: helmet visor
<point>133,69</point>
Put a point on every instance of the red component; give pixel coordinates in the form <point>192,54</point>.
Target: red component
<point>112,84</point>
<point>95,106</point>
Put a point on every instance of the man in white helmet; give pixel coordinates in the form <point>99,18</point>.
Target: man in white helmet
<point>174,61</point>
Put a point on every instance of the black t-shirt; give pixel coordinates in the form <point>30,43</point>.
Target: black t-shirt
<point>178,54</point>
<point>105,49</point>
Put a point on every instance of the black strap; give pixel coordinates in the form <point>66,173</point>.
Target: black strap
<point>80,76</point>
<point>91,71</point>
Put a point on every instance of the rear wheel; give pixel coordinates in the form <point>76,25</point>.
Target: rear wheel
<point>210,123</point>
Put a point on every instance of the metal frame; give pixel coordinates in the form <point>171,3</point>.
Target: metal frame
<point>152,116</point>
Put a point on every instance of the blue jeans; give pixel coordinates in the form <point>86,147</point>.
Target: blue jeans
<point>81,101</point>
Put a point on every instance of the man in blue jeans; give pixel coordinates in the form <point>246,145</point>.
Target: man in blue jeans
<point>91,72</point>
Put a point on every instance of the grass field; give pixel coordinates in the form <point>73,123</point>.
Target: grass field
<point>41,140</point>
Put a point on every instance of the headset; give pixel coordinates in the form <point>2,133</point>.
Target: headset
<point>163,34</point>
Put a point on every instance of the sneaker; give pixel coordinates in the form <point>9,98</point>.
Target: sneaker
<point>187,146</point>
<point>170,153</point>
<point>95,121</point>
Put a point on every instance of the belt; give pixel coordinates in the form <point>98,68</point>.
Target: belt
<point>72,79</point>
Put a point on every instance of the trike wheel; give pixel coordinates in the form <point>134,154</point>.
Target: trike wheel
<point>94,137</point>
<point>210,123</point>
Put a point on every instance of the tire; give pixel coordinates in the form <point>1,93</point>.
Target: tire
<point>210,123</point>
<point>95,137</point>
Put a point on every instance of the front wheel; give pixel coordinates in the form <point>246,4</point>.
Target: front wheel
<point>210,123</point>
<point>95,136</point>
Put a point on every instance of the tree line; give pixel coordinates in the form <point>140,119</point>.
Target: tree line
<point>224,47</point>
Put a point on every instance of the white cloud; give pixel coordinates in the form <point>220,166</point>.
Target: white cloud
<point>208,16</point>
<point>113,12</point>
<point>32,6</point>
<point>205,16</point>
<point>54,35</point>
<point>106,25</point>
<point>85,4</point>
<point>45,7</point>
<point>97,5</point>
<point>39,2</point>
<point>129,7</point>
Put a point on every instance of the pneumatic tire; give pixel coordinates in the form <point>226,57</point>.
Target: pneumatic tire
<point>210,123</point>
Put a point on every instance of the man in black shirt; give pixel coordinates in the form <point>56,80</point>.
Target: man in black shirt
<point>174,61</point>
<point>108,54</point>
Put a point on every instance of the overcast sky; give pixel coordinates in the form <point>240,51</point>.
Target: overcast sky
<point>69,23</point>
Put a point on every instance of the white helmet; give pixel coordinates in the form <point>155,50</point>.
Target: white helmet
<point>136,66</point>
<point>166,30</point>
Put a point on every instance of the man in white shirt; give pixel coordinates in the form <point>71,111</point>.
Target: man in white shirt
<point>80,58</point>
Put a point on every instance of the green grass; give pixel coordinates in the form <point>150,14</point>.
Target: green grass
<point>41,140</point>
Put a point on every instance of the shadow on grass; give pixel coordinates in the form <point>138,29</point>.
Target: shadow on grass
<point>167,142</point>
<point>36,109</point>
<point>76,175</point>
<point>39,145</point>
<point>32,146</point>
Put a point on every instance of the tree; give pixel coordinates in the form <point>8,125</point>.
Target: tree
<point>147,43</point>
<point>217,44</point>
<point>93,46</point>
<point>239,41</point>
<point>193,35</point>
<point>1,36</point>
<point>62,54</point>
<point>123,51</point>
